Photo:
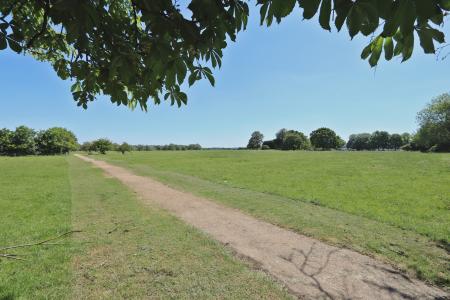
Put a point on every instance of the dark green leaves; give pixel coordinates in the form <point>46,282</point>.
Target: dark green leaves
<point>134,51</point>
<point>3,43</point>
<point>325,14</point>
<point>310,8</point>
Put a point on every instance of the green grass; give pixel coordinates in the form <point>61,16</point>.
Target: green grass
<point>392,205</point>
<point>126,250</point>
<point>35,204</point>
<point>135,251</point>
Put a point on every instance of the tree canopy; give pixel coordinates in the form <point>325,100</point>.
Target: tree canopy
<point>255,141</point>
<point>434,122</point>
<point>136,50</point>
<point>324,138</point>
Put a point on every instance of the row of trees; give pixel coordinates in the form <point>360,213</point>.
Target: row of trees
<point>433,135</point>
<point>379,140</point>
<point>320,139</point>
<point>172,147</point>
<point>26,141</point>
<point>103,145</point>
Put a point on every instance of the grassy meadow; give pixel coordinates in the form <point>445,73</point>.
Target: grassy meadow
<point>393,205</point>
<point>125,250</point>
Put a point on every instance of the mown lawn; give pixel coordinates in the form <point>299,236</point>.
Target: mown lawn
<point>125,250</point>
<point>35,204</point>
<point>393,205</point>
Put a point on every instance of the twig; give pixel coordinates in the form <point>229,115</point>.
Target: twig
<point>43,27</point>
<point>11,256</point>
<point>39,243</point>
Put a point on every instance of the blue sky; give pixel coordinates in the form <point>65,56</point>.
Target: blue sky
<point>293,75</point>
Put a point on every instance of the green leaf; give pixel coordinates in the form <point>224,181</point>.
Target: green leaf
<point>426,40</point>
<point>388,48</point>
<point>76,87</point>
<point>310,8</point>
<point>354,21</point>
<point>192,78</point>
<point>181,71</point>
<point>444,4</point>
<point>210,78</point>
<point>342,8</point>
<point>408,46</point>
<point>325,14</point>
<point>14,46</point>
<point>263,12</point>
<point>366,51</point>
<point>376,51</point>
<point>3,44</point>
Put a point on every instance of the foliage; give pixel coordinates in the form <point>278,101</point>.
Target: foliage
<point>124,147</point>
<point>269,144</point>
<point>6,146</point>
<point>379,140</point>
<point>359,141</point>
<point>23,141</point>
<point>395,141</point>
<point>265,147</point>
<point>406,138</point>
<point>136,50</point>
<point>56,140</point>
<point>295,140</point>
<point>434,122</point>
<point>86,146</point>
<point>101,145</point>
<point>340,142</point>
<point>324,138</point>
<point>255,141</point>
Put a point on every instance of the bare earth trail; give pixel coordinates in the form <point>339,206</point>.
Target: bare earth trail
<point>310,269</point>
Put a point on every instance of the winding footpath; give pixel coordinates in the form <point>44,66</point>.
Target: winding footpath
<point>310,269</point>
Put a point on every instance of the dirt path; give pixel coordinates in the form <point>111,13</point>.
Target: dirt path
<point>309,268</point>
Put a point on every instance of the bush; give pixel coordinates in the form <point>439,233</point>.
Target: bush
<point>265,147</point>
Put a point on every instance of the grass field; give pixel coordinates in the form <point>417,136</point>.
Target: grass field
<point>393,205</point>
<point>125,250</point>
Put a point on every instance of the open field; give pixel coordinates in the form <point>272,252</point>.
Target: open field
<point>125,249</point>
<point>393,205</point>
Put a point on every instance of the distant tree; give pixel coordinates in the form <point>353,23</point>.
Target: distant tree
<point>379,140</point>
<point>124,147</point>
<point>56,140</point>
<point>359,141</point>
<point>194,147</point>
<point>434,122</point>
<point>406,138</point>
<point>324,138</point>
<point>23,141</point>
<point>340,142</point>
<point>295,140</point>
<point>102,145</point>
<point>279,138</point>
<point>86,146</point>
<point>395,141</point>
<point>269,144</point>
<point>255,141</point>
<point>6,146</point>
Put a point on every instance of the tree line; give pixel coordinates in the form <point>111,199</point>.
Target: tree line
<point>320,139</point>
<point>27,141</point>
<point>103,145</point>
<point>433,135</point>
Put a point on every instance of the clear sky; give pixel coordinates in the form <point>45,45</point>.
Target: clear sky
<point>293,75</point>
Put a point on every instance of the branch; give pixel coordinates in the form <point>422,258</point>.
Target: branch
<point>43,27</point>
<point>38,243</point>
